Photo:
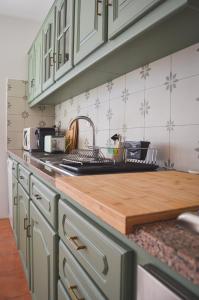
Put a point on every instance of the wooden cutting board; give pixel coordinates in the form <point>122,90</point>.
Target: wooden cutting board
<point>124,200</point>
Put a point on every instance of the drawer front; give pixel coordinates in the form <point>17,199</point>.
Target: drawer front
<point>14,168</point>
<point>74,278</point>
<point>104,260</point>
<point>24,178</point>
<point>62,294</point>
<point>45,199</point>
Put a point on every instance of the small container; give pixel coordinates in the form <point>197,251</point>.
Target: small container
<point>53,144</point>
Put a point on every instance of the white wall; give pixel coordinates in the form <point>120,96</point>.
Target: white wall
<point>16,36</point>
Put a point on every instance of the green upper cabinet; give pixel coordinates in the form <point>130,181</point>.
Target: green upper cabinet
<point>38,66</point>
<point>122,13</point>
<point>31,74</point>
<point>64,37</point>
<point>90,27</point>
<point>49,56</point>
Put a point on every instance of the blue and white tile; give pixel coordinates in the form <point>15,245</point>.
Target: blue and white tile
<point>118,87</point>
<point>134,82</point>
<point>157,100</point>
<point>134,134</point>
<point>158,72</point>
<point>185,102</point>
<point>133,115</point>
<point>102,137</point>
<point>117,107</point>
<point>185,147</point>
<point>186,62</point>
<point>159,138</point>
<point>103,116</point>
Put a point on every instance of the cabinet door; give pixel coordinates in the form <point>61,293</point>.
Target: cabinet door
<point>122,13</point>
<point>23,213</point>
<point>37,83</point>
<point>64,36</point>
<point>43,252</point>
<point>31,76</point>
<point>48,50</point>
<point>90,27</point>
<point>15,207</point>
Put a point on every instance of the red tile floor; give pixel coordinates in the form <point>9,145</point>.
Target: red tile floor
<point>13,284</point>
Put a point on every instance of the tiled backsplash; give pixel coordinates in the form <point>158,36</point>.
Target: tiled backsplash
<point>20,115</point>
<point>158,102</point>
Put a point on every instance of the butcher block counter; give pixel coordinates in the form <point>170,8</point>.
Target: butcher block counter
<point>125,200</point>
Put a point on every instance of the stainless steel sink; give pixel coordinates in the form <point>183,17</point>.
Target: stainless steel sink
<point>190,220</point>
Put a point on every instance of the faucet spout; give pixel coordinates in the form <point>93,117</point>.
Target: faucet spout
<point>88,120</point>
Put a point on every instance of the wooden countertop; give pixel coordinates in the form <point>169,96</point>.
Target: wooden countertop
<point>124,200</point>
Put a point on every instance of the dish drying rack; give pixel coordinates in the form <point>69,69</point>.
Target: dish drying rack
<point>111,155</point>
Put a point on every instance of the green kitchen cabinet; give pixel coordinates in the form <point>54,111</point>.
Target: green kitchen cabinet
<point>38,66</point>
<point>31,73</point>
<point>49,55</point>
<point>15,207</point>
<point>64,37</point>
<point>23,220</point>
<point>43,253</point>
<point>122,13</point>
<point>90,27</point>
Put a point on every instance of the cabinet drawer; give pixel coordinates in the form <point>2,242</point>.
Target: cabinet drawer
<point>74,278</point>
<point>62,294</point>
<point>105,260</point>
<point>45,199</point>
<point>24,177</point>
<point>14,168</point>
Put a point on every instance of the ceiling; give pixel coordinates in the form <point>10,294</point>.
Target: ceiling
<point>34,10</point>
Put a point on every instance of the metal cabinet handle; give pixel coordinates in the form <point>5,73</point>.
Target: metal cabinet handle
<point>28,231</point>
<point>109,3</point>
<point>59,58</point>
<point>52,59</point>
<point>73,240</point>
<point>15,200</point>
<point>21,177</point>
<point>25,223</point>
<point>98,13</point>
<point>38,197</point>
<point>73,294</point>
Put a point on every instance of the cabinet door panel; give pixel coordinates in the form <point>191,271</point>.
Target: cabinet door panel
<point>15,207</point>
<point>122,13</point>
<point>23,213</point>
<point>48,50</point>
<point>90,26</point>
<point>43,256</point>
<point>38,66</point>
<point>31,71</point>
<point>64,37</point>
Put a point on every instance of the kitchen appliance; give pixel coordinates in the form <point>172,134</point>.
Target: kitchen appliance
<point>29,139</point>
<point>153,284</point>
<point>54,144</point>
<point>40,136</point>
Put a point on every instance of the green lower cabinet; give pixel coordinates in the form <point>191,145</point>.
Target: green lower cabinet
<point>15,207</point>
<point>62,293</point>
<point>23,219</point>
<point>43,253</point>
<point>75,279</point>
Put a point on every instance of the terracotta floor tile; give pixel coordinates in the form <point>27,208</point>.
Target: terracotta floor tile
<point>10,264</point>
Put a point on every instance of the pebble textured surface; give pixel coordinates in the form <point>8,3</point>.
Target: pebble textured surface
<point>174,245</point>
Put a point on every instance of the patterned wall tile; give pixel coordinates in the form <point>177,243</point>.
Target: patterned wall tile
<point>184,104</point>
<point>157,72</point>
<point>184,147</point>
<point>185,63</point>
<point>147,103</point>
<point>20,115</point>
<point>157,100</point>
